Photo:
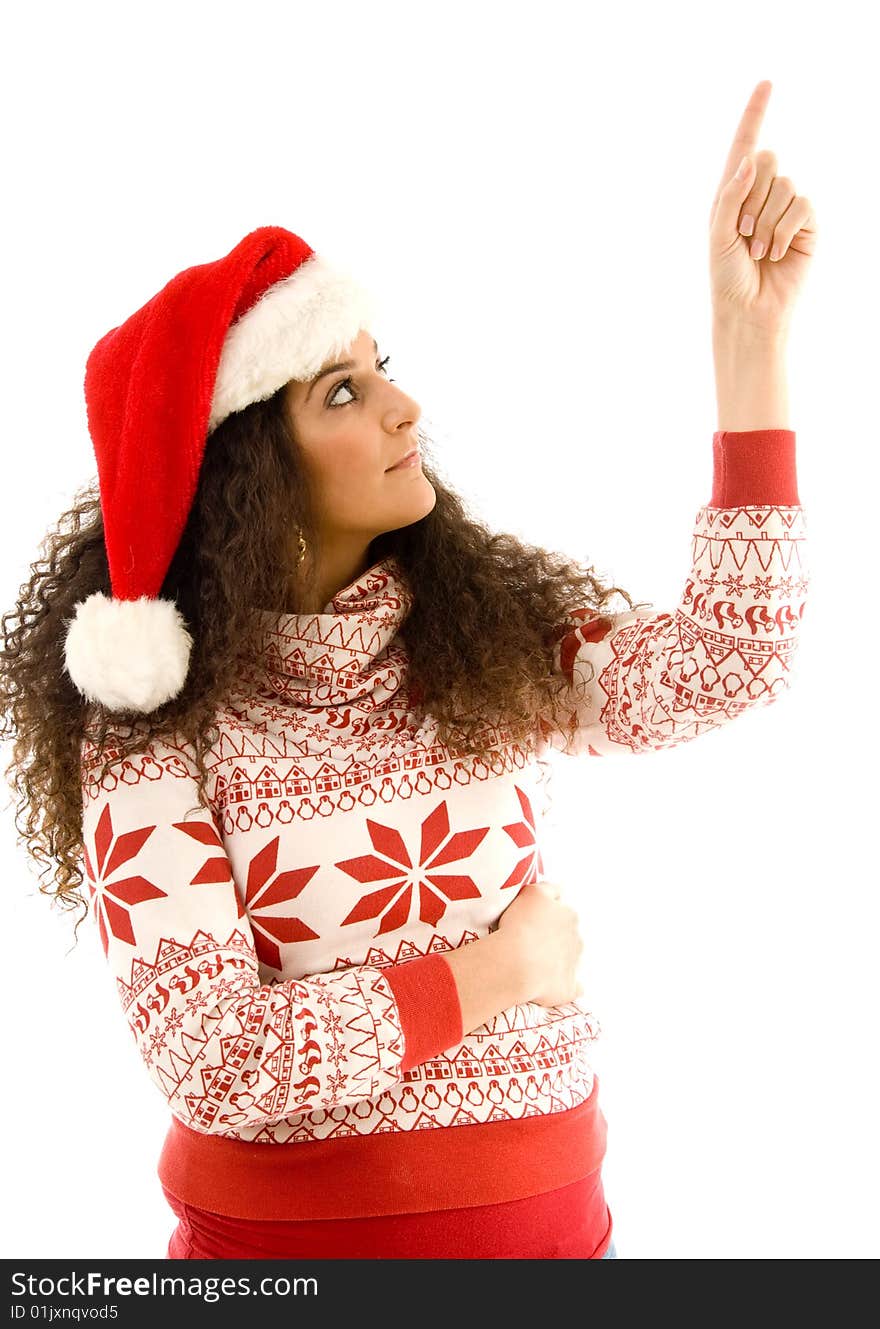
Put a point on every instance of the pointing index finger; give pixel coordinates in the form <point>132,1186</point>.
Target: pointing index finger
<point>746,137</point>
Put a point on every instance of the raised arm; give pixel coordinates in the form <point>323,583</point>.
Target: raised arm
<point>648,679</point>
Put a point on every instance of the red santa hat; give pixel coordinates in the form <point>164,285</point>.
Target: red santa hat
<point>216,338</point>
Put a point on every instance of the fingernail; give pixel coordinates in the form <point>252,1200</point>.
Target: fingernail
<point>757,249</point>
<point>747,225</point>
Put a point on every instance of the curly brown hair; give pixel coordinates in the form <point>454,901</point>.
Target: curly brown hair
<point>487,610</point>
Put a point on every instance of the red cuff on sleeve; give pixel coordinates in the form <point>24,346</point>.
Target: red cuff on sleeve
<point>427,1001</point>
<point>754,466</point>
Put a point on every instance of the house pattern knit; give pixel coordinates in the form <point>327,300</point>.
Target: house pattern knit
<point>278,952</point>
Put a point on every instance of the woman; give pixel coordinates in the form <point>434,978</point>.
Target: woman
<point>288,704</point>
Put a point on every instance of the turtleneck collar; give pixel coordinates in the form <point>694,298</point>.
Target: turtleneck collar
<point>344,651</point>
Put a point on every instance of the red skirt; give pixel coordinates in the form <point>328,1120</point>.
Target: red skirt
<point>571,1223</point>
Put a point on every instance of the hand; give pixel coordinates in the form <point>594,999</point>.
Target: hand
<point>757,294</point>
<point>544,934</point>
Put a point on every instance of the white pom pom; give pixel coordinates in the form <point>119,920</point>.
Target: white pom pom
<point>127,654</point>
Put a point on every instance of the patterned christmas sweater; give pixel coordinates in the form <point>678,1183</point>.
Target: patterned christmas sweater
<point>278,950</point>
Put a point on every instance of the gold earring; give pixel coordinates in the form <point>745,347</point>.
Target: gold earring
<point>302,548</point>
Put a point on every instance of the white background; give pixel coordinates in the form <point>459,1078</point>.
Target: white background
<point>528,188</point>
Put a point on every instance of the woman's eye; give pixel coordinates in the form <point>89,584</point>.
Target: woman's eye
<point>331,401</point>
<point>346,383</point>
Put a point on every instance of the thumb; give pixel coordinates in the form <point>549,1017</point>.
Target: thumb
<point>550,888</point>
<point>726,208</point>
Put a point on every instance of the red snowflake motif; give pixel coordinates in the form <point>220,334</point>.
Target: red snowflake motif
<point>263,890</point>
<point>217,869</point>
<point>436,849</point>
<point>762,586</point>
<point>113,899</point>
<point>522,833</point>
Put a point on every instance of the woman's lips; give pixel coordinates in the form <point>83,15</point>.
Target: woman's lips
<point>412,459</point>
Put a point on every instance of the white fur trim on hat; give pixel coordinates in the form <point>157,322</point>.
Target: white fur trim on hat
<point>291,331</point>
<point>127,654</point>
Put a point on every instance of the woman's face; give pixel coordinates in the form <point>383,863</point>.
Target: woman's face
<point>353,425</point>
